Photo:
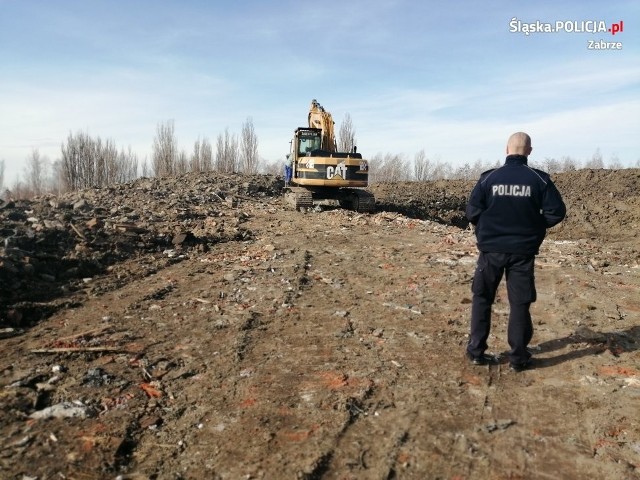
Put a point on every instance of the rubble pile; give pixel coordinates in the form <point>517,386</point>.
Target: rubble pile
<point>51,245</point>
<point>602,203</point>
<point>441,201</point>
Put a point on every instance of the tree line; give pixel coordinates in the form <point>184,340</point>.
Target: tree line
<point>89,162</point>
<point>396,168</point>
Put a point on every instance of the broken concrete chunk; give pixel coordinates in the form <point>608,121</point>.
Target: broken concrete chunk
<point>74,409</point>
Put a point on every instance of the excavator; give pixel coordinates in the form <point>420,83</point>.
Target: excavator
<point>317,174</point>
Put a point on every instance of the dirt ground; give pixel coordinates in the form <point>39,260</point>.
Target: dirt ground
<point>218,335</point>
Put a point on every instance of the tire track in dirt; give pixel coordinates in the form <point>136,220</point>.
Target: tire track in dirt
<point>299,387</point>
<point>374,439</point>
<point>313,401</point>
<point>236,330</point>
<point>347,451</point>
<point>241,382</point>
<point>146,299</point>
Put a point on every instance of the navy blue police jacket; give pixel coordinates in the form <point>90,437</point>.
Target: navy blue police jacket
<point>512,206</point>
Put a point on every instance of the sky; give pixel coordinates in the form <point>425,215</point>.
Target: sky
<point>454,79</point>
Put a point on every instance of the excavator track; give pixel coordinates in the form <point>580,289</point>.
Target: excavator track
<point>298,198</point>
<point>360,201</point>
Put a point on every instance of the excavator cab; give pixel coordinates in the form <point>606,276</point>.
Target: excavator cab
<point>308,142</point>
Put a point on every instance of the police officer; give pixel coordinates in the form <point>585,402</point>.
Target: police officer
<point>511,208</point>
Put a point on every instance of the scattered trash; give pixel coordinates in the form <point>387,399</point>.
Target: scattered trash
<point>632,382</point>
<point>378,332</point>
<point>8,332</point>
<point>75,409</point>
<point>96,377</point>
<point>401,307</point>
<point>498,425</point>
<point>151,389</point>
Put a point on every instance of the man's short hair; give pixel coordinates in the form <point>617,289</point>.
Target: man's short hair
<point>519,144</point>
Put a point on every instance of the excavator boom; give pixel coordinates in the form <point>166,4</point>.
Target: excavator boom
<point>320,118</point>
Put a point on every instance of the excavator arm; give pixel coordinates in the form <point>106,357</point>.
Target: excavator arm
<point>320,118</point>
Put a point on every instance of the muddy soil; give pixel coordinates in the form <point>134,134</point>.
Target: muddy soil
<point>219,335</point>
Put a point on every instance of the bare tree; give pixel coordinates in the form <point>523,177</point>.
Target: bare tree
<point>127,166</point>
<point>220,160</point>
<point>478,168</point>
<point>249,147</point>
<point>425,169</point>
<point>19,189</point>
<point>1,173</point>
<point>462,173</point>
<point>551,165</point>
<point>375,163</point>
<point>569,164</point>
<point>231,152</point>
<point>196,161</point>
<point>97,166</point>
<point>596,161</point>
<point>146,170</point>
<point>57,178</point>
<point>182,163</point>
<point>346,135</point>
<point>206,156</point>
<point>227,153</point>
<point>88,162</point>
<point>390,168</point>
<point>441,170</point>
<point>421,166</point>
<point>272,168</point>
<point>615,163</point>
<point>165,150</point>
<point>36,173</point>
<point>201,157</point>
<point>76,155</point>
<point>108,167</point>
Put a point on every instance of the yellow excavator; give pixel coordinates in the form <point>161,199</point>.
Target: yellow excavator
<point>317,174</point>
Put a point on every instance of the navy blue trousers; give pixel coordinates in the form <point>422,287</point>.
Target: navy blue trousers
<point>521,290</point>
